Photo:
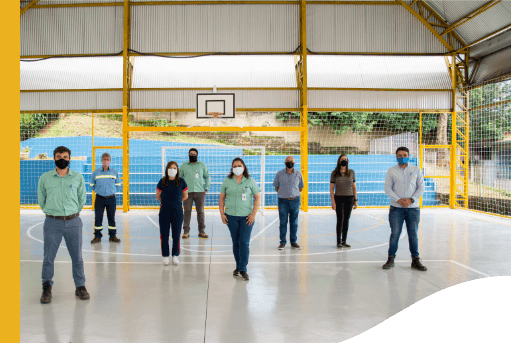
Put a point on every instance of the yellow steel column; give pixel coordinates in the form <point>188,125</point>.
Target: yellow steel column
<point>304,151</point>
<point>125,109</point>
<point>93,160</point>
<point>452,193</point>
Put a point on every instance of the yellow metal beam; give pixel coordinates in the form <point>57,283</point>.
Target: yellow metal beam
<point>125,107</point>
<point>31,4</point>
<point>215,128</point>
<point>193,110</point>
<point>76,111</point>
<point>304,141</point>
<point>470,16</point>
<point>426,23</point>
<point>409,110</point>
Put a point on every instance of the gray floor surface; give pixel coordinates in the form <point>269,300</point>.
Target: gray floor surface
<point>317,294</point>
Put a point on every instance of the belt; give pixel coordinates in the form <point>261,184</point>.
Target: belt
<point>105,197</point>
<point>64,217</point>
<point>290,198</point>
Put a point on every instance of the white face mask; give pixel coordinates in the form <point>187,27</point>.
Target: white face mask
<point>172,172</point>
<point>237,171</point>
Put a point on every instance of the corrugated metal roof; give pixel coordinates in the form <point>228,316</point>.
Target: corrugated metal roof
<point>209,71</point>
<point>494,65</point>
<point>405,72</point>
<point>368,29</point>
<point>71,30</point>
<point>482,25</point>
<point>213,28</point>
<point>66,101</point>
<point>337,99</point>
<point>72,73</point>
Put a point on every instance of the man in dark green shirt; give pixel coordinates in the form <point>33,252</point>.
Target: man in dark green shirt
<point>61,194</point>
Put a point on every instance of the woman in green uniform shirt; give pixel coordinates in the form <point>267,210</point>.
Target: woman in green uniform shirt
<point>240,210</point>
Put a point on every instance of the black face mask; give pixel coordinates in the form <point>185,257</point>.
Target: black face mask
<point>344,163</point>
<point>193,159</point>
<point>62,163</point>
<point>290,164</point>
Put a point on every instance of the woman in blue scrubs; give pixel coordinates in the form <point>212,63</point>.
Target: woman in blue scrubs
<point>171,192</point>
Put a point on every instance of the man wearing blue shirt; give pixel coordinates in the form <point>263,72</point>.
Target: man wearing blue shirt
<point>105,182</point>
<point>404,184</point>
<point>288,183</point>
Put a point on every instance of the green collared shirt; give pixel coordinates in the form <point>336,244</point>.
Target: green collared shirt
<point>195,175</point>
<point>234,203</point>
<point>61,196</point>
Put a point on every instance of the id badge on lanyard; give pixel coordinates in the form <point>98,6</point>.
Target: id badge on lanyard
<point>244,195</point>
<point>196,175</point>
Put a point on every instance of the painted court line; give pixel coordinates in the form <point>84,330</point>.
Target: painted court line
<point>260,232</point>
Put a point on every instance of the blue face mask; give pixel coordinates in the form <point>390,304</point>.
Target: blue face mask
<point>402,160</point>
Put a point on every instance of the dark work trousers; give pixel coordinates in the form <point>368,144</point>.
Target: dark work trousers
<point>199,198</point>
<point>170,216</point>
<point>343,207</point>
<point>99,208</point>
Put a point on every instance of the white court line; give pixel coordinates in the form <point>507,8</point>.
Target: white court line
<point>260,232</point>
<point>472,269</point>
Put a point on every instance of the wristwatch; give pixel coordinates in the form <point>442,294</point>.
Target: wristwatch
<point>412,200</point>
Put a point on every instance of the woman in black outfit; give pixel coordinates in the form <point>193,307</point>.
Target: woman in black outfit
<point>343,192</point>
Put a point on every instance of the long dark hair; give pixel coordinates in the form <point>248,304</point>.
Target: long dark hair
<point>245,169</point>
<point>177,180</point>
<point>338,168</point>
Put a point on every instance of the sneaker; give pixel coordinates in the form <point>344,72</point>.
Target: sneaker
<point>339,245</point>
<point>346,245</point>
<point>236,272</point>
<point>114,239</point>
<point>95,240</point>
<point>243,275</point>
<point>416,264</point>
<point>203,235</point>
<point>186,235</point>
<point>296,246</point>
<point>390,263</point>
<point>281,246</point>
<point>175,260</point>
<point>46,296</point>
<point>82,293</point>
<point>166,261</point>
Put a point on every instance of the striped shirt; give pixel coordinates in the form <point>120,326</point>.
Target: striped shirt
<point>105,183</point>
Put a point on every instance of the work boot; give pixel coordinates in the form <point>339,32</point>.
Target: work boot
<point>95,240</point>
<point>46,296</point>
<point>243,275</point>
<point>281,246</point>
<point>236,272</point>
<point>296,246</point>
<point>345,245</point>
<point>203,235</point>
<point>416,264</point>
<point>114,239</point>
<point>82,293</point>
<point>390,263</point>
<point>186,235</point>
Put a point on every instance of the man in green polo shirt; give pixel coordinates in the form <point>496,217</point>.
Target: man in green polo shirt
<point>61,195</point>
<point>196,176</point>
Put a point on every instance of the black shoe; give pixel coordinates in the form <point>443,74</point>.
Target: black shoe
<point>281,246</point>
<point>345,245</point>
<point>236,272</point>
<point>82,293</point>
<point>296,246</point>
<point>243,275</point>
<point>390,263</point>
<point>46,296</point>
<point>339,245</point>
<point>416,264</point>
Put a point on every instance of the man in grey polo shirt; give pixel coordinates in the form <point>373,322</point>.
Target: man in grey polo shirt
<point>288,183</point>
<point>61,195</point>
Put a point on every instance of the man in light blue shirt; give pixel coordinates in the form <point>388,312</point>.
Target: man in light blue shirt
<point>105,182</point>
<point>288,183</point>
<point>404,184</point>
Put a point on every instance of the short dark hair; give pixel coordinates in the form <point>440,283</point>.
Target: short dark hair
<point>403,148</point>
<point>61,149</point>
<point>192,149</point>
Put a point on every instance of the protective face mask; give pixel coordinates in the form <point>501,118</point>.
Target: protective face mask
<point>172,172</point>
<point>402,160</point>
<point>290,164</point>
<point>107,163</point>
<point>344,163</point>
<point>237,171</point>
<point>193,159</point>
<point>62,163</point>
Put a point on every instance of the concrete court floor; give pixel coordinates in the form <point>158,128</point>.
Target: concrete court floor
<point>317,294</point>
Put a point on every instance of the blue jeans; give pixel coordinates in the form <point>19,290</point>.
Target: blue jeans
<point>288,209</point>
<point>397,216</point>
<point>240,234</point>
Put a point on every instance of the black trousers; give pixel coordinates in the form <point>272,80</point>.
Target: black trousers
<point>343,207</point>
<point>170,216</point>
<point>102,203</point>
